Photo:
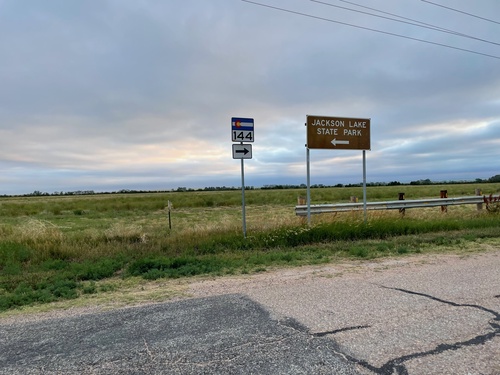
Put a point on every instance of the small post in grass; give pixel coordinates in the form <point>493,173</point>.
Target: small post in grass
<point>444,194</point>
<point>169,207</point>
<point>401,197</point>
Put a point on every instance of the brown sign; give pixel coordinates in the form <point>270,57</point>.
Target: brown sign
<point>338,133</point>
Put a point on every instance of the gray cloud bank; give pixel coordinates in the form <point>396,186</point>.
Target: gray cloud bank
<point>109,94</point>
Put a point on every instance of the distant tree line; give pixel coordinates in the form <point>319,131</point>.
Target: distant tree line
<point>495,178</point>
<point>426,181</point>
<point>213,188</point>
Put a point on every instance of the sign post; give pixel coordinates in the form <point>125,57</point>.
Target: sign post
<point>337,133</point>
<point>242,131</point>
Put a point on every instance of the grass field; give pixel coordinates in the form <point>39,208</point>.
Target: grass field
<point>63,247</point>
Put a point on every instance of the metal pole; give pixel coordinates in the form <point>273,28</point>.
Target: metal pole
<point>243,199</point>
<point>308,187</point>
<point>364,184</point>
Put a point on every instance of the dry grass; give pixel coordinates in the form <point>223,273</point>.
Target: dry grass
<point>37,230</point>
<point>189,224</point>
<point>123,232</point>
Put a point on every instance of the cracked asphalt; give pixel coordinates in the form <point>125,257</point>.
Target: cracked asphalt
<point>419,315</point>
<point>227,334</point>
<point>423,315</point>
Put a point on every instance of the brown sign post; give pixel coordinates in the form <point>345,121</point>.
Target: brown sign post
<point>338,133</point>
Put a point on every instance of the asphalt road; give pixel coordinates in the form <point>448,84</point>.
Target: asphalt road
<point>420,315</point>
<point>423,315</point>
<point>216,335</point>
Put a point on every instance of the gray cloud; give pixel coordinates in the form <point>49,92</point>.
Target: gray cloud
<point>113,94</point>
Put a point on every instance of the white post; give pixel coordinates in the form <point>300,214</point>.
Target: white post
<point>364,184</point>
<point>308,187</point>
<point>243,199</point>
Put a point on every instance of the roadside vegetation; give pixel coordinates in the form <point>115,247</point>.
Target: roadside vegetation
<point>56,248</point>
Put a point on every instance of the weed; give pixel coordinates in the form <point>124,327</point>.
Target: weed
<point>96,270</point>
<point>89,288</point>
<point>54,264</point>
<point>492,203</point>
<point>383,247</point>
<point>470,237</point>
<point>163,267</point>
<point>107,288</point>
<point>359,252</point>
<point>403,250</point>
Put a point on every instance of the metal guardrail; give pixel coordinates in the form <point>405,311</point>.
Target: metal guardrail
<point>301,210</point>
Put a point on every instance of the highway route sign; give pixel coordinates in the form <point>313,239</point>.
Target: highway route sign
<point>338,133</point>
<point>242,129</point>
<point>242,151</point>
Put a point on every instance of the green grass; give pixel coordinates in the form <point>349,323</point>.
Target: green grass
<point>61,248</point>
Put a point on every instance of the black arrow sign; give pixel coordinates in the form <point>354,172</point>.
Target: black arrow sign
<point>244,151</point>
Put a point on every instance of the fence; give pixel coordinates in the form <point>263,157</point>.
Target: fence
<point>401,205</point>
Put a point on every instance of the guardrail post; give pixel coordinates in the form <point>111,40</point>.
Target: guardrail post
<point>444,194</point>
<point>302,201</point>
<point>401,197</point>
<point>479,193</point>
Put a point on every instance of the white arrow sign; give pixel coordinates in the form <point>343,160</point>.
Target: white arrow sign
<point>242,151</point>
<point>335,142</point>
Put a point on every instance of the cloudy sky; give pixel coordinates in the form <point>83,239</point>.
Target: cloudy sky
<point>138,94</point>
